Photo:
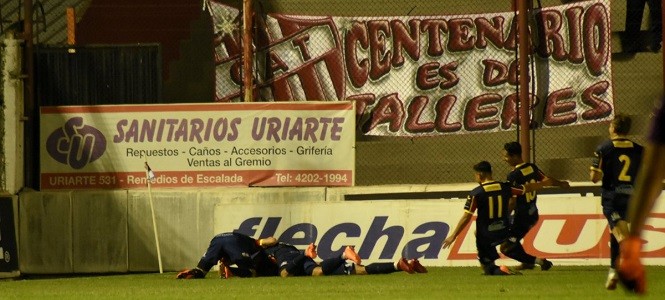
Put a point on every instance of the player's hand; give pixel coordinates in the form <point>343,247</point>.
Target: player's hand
<point>449,241</point>
<point>631,271</point>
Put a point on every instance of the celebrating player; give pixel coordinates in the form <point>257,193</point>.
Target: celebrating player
<point>293,262</point>
<point>616,163</point>
<point>241,255</point>
<point>494,201</point>
<point>526,211</point>
<point>648,186</point>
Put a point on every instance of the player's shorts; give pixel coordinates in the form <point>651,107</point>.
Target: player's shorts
<point>486,245</point>
<point>284,260</point>
<point>522,224</point>
<point>615,209</point>
<point>657,132</point>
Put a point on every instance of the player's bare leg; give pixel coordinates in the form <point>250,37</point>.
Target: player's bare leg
<point>350,254</point>
<point>311,251</point>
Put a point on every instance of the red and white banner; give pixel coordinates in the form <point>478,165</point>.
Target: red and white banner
<point>571,231</point>
<point>198,145</point>
<point>426,75</point>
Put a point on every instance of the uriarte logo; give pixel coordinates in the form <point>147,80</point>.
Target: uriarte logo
<point>76,144</point>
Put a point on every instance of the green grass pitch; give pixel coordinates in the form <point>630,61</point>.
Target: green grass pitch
<point>561,282</point>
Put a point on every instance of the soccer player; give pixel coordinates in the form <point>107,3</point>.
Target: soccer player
<point>526,211</point>
<point>293,262</point>
<point>648,187</point>
<point>616,163</point>
<point>494,202</point>
<point>242,256</point>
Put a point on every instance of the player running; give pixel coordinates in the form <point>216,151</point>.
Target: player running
<point>526,211</point>
<point>616,163</point>
<point>648,186</point>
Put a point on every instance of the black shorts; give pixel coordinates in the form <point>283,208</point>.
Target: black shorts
<point>486,243</point>
<point>284,260</point>
<point>522,224</point>
<point>615,209</point>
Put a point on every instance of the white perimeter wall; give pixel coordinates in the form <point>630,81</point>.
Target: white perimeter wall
<point>111,231</point>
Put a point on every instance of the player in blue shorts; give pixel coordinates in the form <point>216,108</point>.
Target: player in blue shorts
<point>648,186</point>
<point>293,262</point>
<point>526,211</point>
<point>242,255</point>
<point>616,163</point>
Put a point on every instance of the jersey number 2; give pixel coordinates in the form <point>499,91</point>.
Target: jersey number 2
<point>623,176</point>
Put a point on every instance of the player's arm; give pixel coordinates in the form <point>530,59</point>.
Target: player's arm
<point>595,175</point>
<point>529,187</point>
<point>512,203</point>
<point>461,224</point>
<point>595,171</point>
<point>267,242</point>
<point>469,209</point>
<point>551,181</point>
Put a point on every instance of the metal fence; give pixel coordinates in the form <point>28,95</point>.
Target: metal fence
<point>98,75</point>
<point>437,156</point>
<point>428,148</point>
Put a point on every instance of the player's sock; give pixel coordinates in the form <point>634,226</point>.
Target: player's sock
<point>331,265</point>
<point>612,279</point>
<point>491,269</point>
<point>539,261</point>
<point>515,250</point>
<point>204,266</point>
<point>381,268</point>
<point>614,251</point>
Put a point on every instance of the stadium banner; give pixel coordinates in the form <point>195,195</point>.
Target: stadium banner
<point>8,250</point>
<point>427,75</point>
<point>571,231</point>
<point>198,145</point>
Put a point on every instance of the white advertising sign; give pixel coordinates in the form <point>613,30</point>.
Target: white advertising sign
<point>198,145</point>
<point>572,229</point>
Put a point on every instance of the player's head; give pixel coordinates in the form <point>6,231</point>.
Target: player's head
<point>620,125</point>
<point>483,171</point>
<point>512,153</point>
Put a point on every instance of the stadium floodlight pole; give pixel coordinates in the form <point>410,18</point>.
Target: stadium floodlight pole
<point>247,61</point>
<point>30,103</point>
<point>525,105</point>
<point>150,176</point>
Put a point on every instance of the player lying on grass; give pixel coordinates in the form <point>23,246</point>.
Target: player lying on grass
<point>494,202</point>
<point>242,255</point>
<point>648,186</point>
<point>293,262</point>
